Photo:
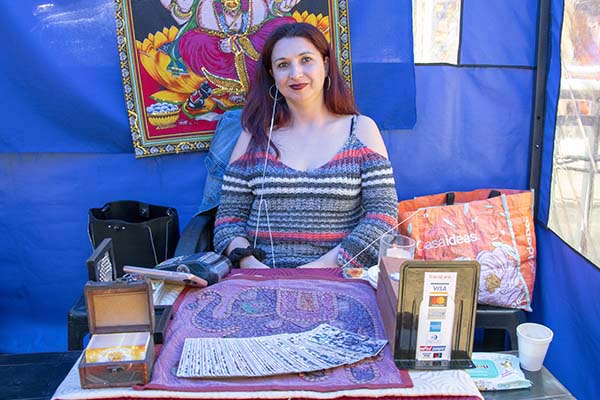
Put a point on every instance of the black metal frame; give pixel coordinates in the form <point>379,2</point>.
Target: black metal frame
<point>537,123</point>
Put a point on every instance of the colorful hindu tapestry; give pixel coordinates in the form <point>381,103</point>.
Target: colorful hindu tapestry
<point>185,62</point>
<point>251,306</point>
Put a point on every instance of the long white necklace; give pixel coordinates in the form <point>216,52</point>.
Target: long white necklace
<point>261,200</point>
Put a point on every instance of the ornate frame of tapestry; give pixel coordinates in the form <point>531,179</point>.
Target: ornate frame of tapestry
<point>181,72</point>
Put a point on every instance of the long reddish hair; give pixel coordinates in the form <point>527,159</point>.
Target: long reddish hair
<point>256,116</point>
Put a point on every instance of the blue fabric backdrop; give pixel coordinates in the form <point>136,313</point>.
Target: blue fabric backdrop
<point>383,73</point>
<point>566,300</point>
<point>65,147</point>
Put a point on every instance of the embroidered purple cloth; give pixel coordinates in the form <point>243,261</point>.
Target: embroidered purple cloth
<point>247,305</point>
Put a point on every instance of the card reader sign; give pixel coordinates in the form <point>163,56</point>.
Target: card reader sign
<point>438,301</point>
<point>435,326</point>
<point>432,352</point>
<point>436,316</point>
<point>436,313</point>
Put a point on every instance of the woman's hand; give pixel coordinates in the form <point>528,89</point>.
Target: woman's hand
<point>246,262</point>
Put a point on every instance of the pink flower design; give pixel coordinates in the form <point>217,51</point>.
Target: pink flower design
<point>499,282</point>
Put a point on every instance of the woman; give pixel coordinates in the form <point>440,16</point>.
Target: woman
<point>324,189</point>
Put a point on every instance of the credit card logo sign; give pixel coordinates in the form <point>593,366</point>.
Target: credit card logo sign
<point>435,326</point>
<point>438,301</point>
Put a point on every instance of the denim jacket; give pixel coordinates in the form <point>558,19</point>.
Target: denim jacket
<point>226,136</point>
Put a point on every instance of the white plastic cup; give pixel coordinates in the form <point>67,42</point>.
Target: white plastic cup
<point>533,340</point>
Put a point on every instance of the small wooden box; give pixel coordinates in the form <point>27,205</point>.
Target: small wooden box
<point>121,321</point>
<point>387,300</point>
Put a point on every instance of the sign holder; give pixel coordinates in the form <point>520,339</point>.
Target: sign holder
<point>435,314</point>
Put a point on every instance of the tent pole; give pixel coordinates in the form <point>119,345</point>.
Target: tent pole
<point>537,126</point>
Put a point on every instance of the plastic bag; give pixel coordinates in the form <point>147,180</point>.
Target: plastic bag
<point>497,371</point>
<point>494,227</point>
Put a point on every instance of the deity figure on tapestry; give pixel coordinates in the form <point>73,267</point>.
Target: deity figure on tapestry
<point>219,42</point>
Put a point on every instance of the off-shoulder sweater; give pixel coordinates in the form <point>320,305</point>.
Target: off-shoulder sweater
<point>350,200</point>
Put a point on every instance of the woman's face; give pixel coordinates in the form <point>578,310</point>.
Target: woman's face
<point>299,70</point>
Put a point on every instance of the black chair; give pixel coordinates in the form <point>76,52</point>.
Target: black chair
<point>197,235</point>
<point>497,322</point>
<point>77,325</point>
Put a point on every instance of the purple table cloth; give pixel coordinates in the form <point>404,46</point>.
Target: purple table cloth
<point>278,301</point>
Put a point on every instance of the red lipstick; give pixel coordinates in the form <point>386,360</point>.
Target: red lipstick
<point>299,86</point>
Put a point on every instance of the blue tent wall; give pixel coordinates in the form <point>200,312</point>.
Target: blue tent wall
<point>65,147</point>
<point>567,294</point>
<point>566,300</point>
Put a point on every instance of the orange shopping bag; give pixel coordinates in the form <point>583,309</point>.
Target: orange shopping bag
<point>494,227</point>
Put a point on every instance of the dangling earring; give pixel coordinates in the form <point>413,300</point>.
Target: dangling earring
<point>274,96</point>
<point>328,82</point>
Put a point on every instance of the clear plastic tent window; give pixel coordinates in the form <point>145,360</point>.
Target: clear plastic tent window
<point>436,31</point>
<point>575,194</point>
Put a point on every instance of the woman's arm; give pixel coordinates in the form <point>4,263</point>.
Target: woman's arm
<point>327,260</point>
<point>246,262</point>
<point>234,208</point>
<point>379,201</point>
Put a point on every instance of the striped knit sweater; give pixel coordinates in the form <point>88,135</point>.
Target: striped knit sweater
<point>351,200</point>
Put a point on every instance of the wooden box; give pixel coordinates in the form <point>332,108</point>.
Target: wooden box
<point>121,321</point>
<point>387,299</point>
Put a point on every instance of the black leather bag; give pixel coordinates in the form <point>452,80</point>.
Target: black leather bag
<point>142,234</point>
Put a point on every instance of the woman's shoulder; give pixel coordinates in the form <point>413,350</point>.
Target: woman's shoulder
<point>368,133</point>
<point>240,147</point>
